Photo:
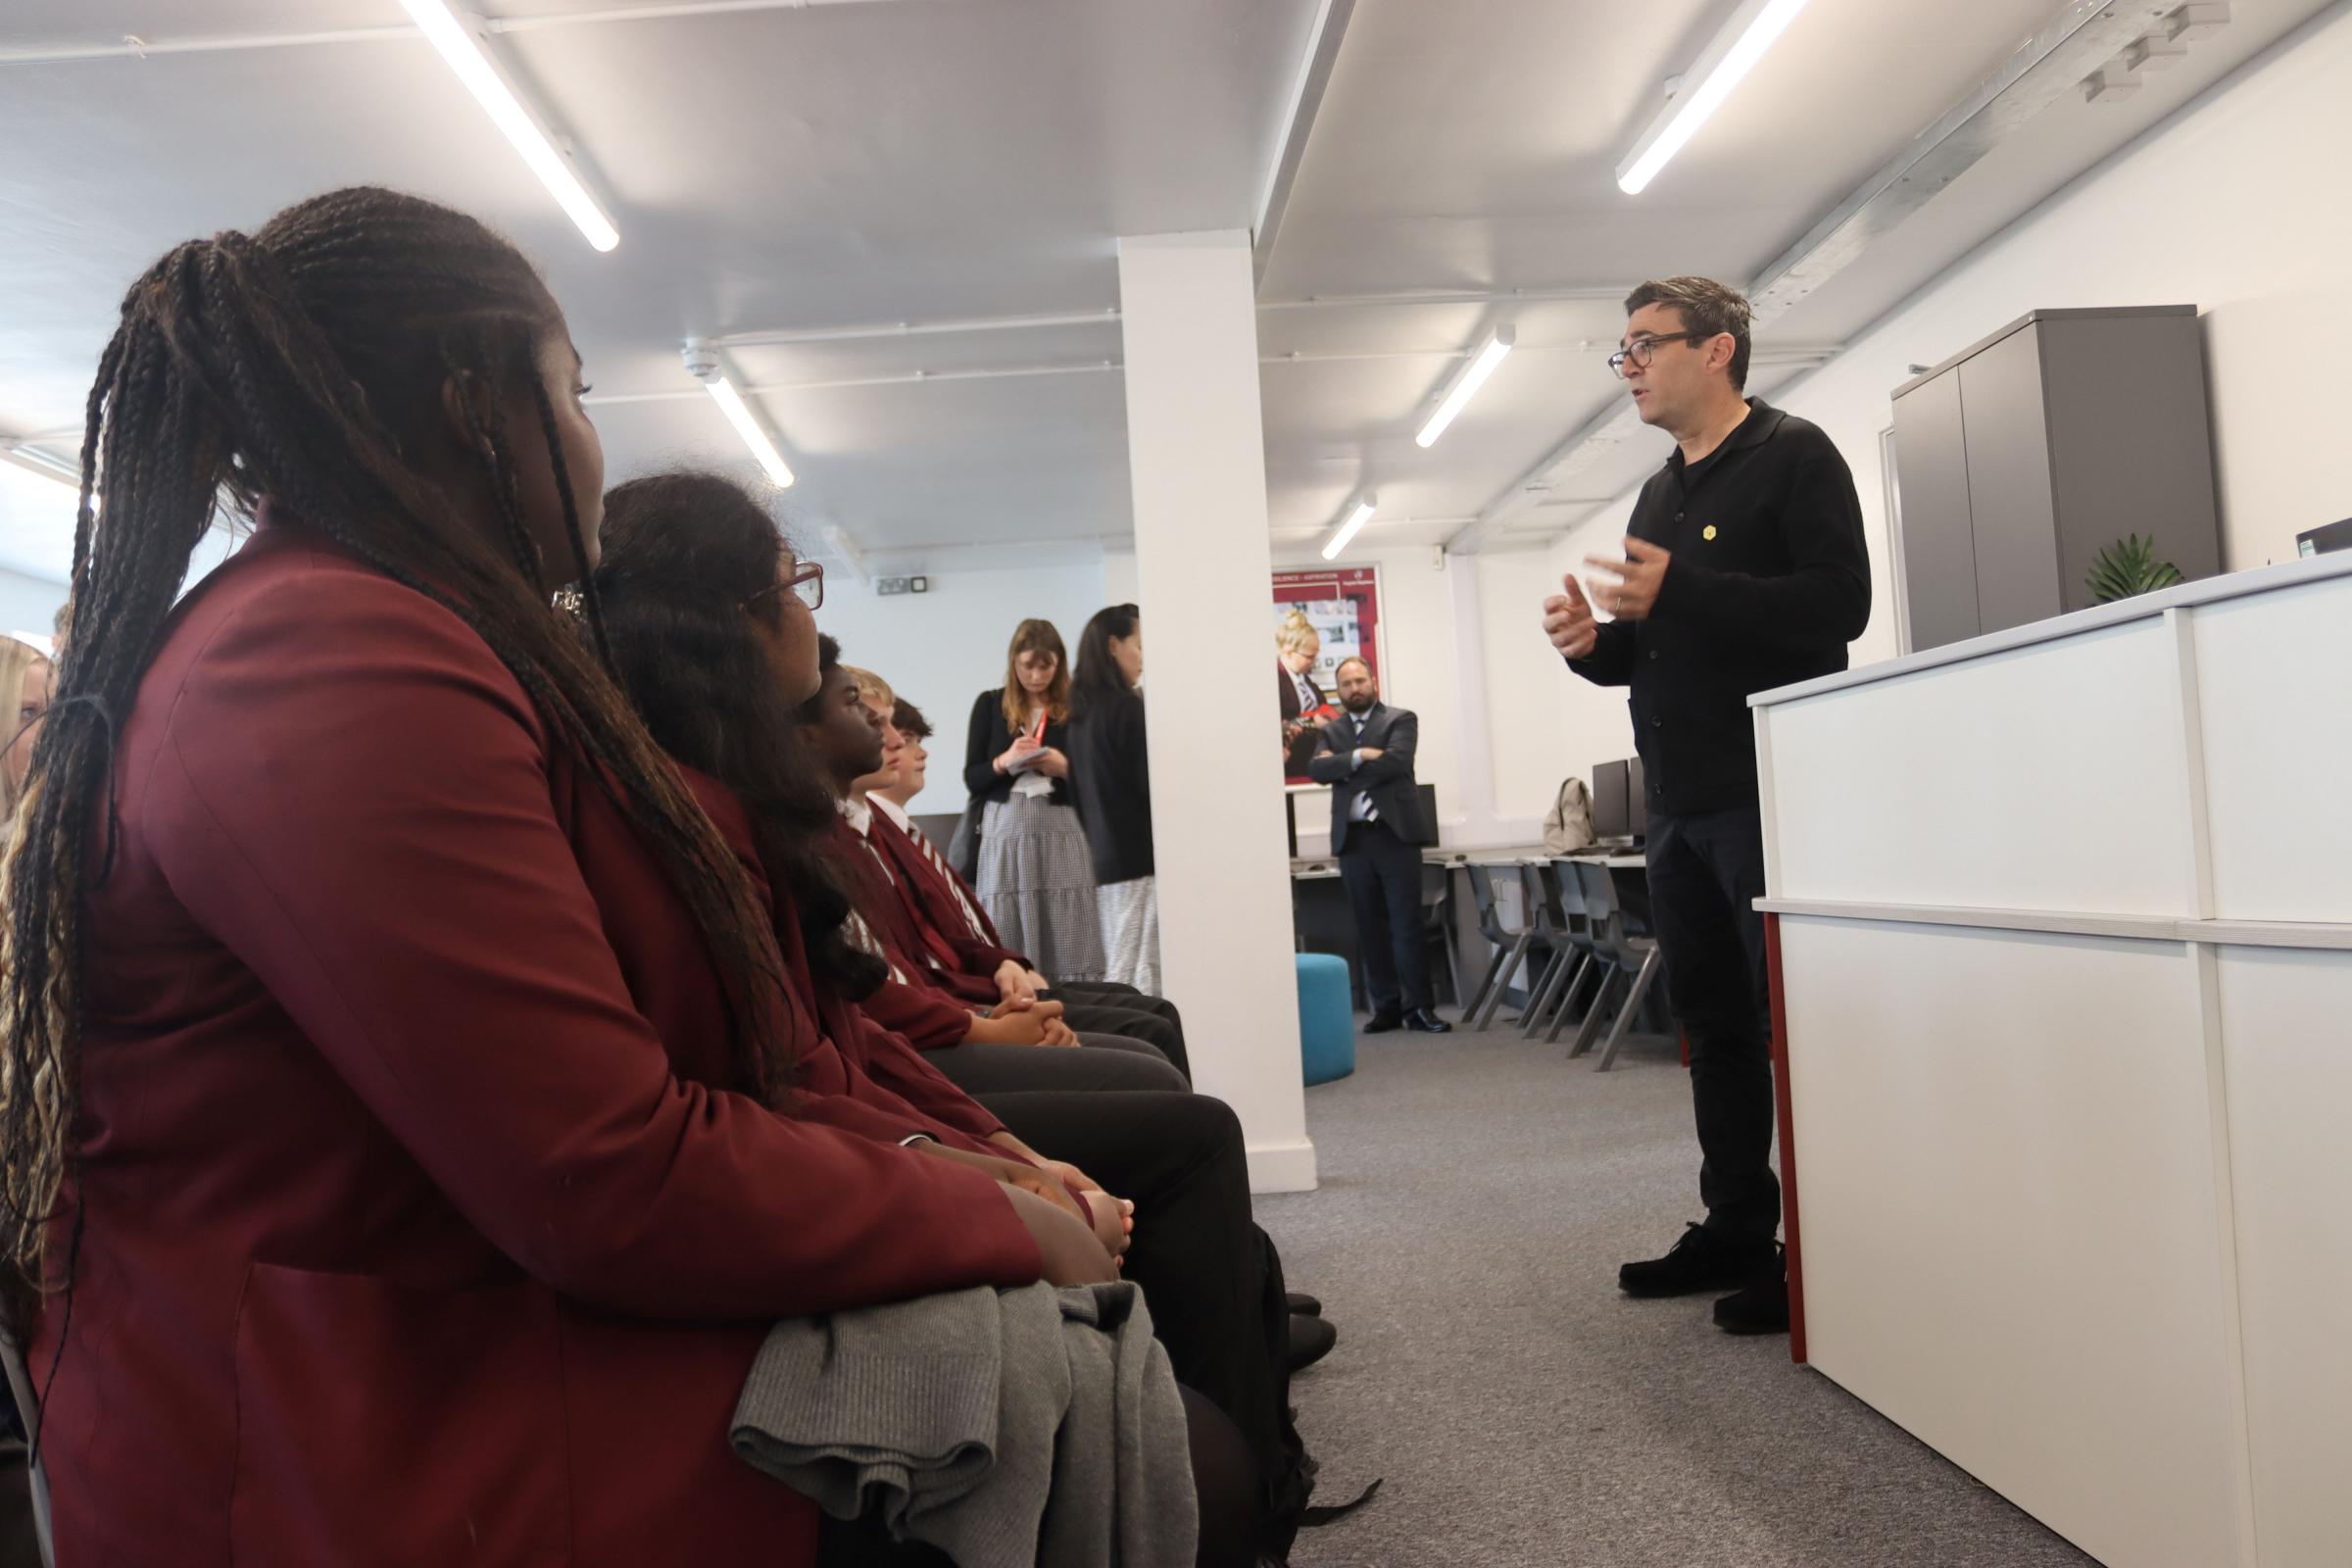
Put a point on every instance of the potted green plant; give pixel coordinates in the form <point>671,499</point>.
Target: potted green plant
<point>2128,567</point>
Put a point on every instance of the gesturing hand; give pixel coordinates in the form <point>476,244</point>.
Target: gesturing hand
<point>1639,578</point>
<point>1568,621</point>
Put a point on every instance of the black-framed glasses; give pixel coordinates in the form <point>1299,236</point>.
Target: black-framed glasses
<point>1642,349</point>
<point>806,584</point>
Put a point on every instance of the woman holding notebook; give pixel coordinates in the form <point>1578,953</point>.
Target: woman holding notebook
<point>1036,878</point>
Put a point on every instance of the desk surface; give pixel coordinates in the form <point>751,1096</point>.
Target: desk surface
<point>2295,573</point>
<point>1310,868</point>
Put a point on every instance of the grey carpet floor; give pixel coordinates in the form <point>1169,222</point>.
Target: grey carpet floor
<point>1477,1196</point>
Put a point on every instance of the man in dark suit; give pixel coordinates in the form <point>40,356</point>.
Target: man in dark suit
<point>1377,830</point>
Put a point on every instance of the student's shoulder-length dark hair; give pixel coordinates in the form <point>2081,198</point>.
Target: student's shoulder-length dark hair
<point>1097,682</point>
<point>688,563</point>
<point>1036,637</point>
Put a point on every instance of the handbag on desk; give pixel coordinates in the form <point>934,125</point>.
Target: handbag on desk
<point>1568,825</point>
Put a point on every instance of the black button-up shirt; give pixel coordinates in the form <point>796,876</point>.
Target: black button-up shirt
<point>1770,580</point>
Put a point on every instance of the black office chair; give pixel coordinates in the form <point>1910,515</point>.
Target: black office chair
<point>1510,942</point>
<point>1626,956</point>
<point>1569,933</point>
<point>1437,921</point>
<point>28,1411</point>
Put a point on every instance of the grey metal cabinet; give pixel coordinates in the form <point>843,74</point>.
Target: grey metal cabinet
<point>2024,455</point>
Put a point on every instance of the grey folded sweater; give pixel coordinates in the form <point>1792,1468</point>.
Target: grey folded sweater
<point>1006,1428</point>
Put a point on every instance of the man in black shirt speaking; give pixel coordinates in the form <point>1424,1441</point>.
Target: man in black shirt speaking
<point>1743,569</point>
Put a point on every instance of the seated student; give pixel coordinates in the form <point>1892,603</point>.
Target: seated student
<point>716,664</point>
<point>406,1039</point>
<point>912,897</point>
<point>981,1064</point>
<point>914,761</point>
<point>948,903</point>
<point>911,764</point>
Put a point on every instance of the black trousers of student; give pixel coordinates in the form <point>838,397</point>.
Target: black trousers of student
<point>1091,1009</point>
<point>1706,871</point>
<point>1383,877</point>
<point>1098,1061</point>
<point>1119,994</point>
<point>1211,1278</point>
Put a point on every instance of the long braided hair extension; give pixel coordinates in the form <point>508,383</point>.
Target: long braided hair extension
<point>305,363</point>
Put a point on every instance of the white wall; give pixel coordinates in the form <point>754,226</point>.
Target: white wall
<point>2233,205</point>
<point>942,648</point>
<point>1592,720</point>
<point>28,604</point>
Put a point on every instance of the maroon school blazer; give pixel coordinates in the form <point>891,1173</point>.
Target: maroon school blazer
<point>421,1226</point>
<point>901,921</point>
<point>846,1054</point>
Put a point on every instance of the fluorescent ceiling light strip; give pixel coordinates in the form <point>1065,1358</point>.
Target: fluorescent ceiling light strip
<point>35,461</point>
<point>1472,378</point>
<point>747,425</point>
<point>1347,530</point>
<point>1752,30</point>
<point>504,105</point>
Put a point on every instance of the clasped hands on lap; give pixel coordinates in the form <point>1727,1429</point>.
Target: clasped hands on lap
<point>1080,1240</point>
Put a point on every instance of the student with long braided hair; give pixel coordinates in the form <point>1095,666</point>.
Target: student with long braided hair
<point>392,1045</point>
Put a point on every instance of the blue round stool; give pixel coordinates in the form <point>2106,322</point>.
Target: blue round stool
<point>1326,1017</point>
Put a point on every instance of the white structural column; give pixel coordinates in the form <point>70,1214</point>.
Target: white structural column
<point>1474,790</point>
<point>1196,453</point>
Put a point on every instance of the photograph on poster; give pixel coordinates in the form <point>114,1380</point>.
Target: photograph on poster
<point>1321,618</point>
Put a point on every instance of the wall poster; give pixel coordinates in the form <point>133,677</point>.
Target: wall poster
<point>1321,618</point>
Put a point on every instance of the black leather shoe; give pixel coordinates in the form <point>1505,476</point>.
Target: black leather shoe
<point>1762,1306</point>
<point>1312,1340</point>
<point>1380,1023</point>
<point>1704,1259</point>
<point>1423,1021</point>
<point>1305,1304</point>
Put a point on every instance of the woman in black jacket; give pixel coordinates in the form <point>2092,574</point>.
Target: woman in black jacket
<point>1111,765</point>
<point>1033,878</point>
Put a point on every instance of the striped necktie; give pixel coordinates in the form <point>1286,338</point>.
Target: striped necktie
<point>947,873</point>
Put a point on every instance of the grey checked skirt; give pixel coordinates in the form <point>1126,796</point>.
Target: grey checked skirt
<point>1037,882</point>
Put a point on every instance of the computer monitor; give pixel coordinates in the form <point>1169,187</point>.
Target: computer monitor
<point>2320,541</point>
<point>1610,818</point>
<point>1429,806</point>
<point>1636,801</point>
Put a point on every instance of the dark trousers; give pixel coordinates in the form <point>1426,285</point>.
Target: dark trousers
<point>1092,1014</point>
<point>1104,1062</point>
<point>1383,877</point>
<point>1115,994</point>
<point>1706,871</point>
<point>1213,1279</point>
